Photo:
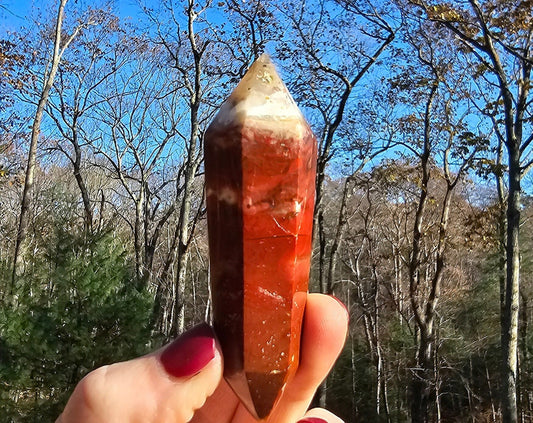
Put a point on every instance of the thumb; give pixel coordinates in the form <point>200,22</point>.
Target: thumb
<point>165,386</point>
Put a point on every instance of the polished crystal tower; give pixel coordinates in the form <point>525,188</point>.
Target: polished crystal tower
<point>260,165</point>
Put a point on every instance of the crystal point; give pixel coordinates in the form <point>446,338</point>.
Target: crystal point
<point>260,164</point>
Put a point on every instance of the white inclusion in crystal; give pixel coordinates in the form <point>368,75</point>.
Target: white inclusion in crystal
<point>287,210</point>
<point>271,294</point>
<point>297,206</point>
<point>227,195</point>
<point>281,227</point>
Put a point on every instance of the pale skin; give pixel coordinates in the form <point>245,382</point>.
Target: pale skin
<point>140,390</point>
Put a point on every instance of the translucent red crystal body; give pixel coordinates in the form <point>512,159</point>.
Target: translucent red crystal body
<point>260,158</point>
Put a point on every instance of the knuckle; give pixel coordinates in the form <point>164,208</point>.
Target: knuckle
<point>92,390</point>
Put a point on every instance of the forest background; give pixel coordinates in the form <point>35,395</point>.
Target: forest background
<point>423,113</point>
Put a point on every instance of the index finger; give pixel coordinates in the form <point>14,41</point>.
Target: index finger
<point>324,332</point>
<point>323,335</point>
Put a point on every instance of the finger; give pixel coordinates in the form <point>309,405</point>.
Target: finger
<point>323,336</point>
<point>220,407</point>
<point>319,415</point>
<point>166,386</point>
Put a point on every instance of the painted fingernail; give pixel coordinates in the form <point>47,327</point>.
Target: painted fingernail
<point>190,353</point>
<point>312,420</point>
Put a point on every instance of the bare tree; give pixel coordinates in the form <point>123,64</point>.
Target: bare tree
<point>328,75</point>
<point>184,34</point>
<point>138,122</point>
<point>94,59</point>
<point>439,136</point>
<point>61,43</point>
<point>499,40</point>
<point>364,265</point>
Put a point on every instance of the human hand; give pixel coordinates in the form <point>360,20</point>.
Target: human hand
<point>183,381</point>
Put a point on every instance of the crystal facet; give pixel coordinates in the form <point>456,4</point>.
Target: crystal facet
<point>260,164</point>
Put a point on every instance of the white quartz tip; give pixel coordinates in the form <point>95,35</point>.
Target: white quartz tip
<point>261,94</point>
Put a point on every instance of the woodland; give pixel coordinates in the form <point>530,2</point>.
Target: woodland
<point>423,114</point>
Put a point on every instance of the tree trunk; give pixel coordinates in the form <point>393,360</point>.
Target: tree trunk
<point>420,389</point>
<point>76,164</point>
<point>337,239</point>
<point>193,160</point>
<point>421,386</point>
<point>137,234</point>
<point>524,364</point>
<point>510,314</point>
<point>32,154</point>
<point>491,396</point>
<point>178,321</point>
<point>487,42</point>
<point>437,378</point>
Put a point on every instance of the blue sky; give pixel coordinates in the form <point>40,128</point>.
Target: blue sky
<point>16,13</point>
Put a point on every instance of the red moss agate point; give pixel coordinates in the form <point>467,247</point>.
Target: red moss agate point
<point>260,165</point>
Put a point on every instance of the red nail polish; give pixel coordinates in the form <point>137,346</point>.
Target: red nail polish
<point>190,353</point>
<point>312,420</point>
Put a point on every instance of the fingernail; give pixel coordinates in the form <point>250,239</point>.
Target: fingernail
<point>312,420</point>
<point>190,353</point>
<point>342,304</point>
